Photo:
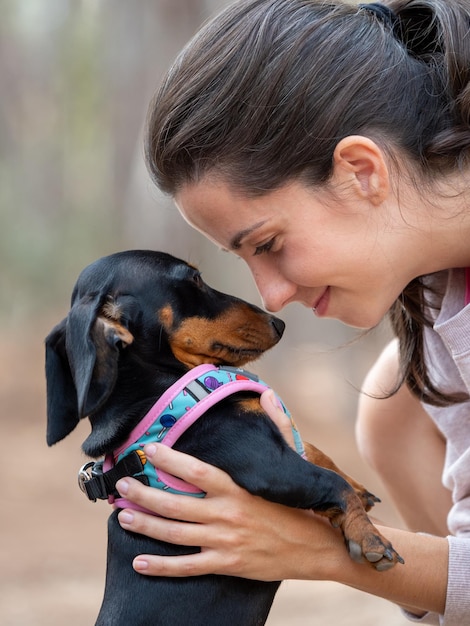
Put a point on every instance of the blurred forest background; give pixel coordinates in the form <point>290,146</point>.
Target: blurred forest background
<point>76,78</point>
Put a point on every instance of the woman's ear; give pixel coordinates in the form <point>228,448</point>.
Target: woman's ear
<point>359,164</point>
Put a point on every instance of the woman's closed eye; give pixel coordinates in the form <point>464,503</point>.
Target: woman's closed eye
<point>265,247</point>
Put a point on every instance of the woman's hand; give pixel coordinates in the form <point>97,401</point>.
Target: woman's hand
<point>239,534</point>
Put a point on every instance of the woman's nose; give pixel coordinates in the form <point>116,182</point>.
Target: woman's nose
<point>275,291</point>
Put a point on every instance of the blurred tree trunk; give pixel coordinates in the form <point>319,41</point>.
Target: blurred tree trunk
<point>141,40</point>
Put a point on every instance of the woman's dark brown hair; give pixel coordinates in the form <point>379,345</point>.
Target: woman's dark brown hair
<point>264,92</point>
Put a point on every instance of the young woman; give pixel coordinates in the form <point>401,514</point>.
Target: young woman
<point>327,144</point>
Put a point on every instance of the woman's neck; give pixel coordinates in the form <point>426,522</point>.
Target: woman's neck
<point>441,216</point>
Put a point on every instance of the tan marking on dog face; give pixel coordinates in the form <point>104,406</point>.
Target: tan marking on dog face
<point>236,337</point>
<point>106,327</point>
<point>166,317</point>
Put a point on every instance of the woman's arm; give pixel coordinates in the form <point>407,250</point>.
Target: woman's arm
<point>244,535</point>
<point>403,446</point>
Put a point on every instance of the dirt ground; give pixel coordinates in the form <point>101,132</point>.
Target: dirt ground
<point>53,541</point>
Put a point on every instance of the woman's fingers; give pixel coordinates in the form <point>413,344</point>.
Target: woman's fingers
<point>265,541</point>
<point>176,566</point>
<point>175,506</point>
<point>211,523</point>
<point>168,506</point>
<point>171,530</point>
<point>207,477</point>
<point>271,405</point>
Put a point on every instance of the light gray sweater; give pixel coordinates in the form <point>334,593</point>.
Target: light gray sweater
<point>447,347</point>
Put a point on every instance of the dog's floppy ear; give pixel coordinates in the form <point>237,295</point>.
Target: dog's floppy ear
<point>62,412</point>
<point>92,342</point>
<point>82,356</point>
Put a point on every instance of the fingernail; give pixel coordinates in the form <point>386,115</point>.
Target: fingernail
<point>150,449</point>
<point>126,517</point>
<point>140,565</point>
<point>122,486</point>
<point>274,399</point>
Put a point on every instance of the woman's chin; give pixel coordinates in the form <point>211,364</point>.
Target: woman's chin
<point>362,320</point>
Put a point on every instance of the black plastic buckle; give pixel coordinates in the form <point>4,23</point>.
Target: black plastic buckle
<point>99,485</point>
<point>91,481</point>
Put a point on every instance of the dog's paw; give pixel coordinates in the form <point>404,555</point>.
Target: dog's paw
<point>363,540</point>
<point>374,549</point>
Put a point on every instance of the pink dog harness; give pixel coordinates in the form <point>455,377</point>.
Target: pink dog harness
<point>171,416</point>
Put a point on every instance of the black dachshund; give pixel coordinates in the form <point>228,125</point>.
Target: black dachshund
<point>140,321</point>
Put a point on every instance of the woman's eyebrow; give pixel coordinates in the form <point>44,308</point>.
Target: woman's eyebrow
<point>236,240</point>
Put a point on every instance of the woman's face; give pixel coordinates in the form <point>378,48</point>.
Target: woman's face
<point>337,258</point>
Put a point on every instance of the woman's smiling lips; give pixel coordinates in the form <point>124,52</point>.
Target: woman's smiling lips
<point>321,305</point>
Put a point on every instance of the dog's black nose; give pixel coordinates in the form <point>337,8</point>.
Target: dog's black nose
<point>279,326</point>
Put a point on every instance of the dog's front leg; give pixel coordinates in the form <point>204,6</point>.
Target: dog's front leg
<point>317,457</point>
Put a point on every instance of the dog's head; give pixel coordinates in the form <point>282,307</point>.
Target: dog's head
<point>135,315</point>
